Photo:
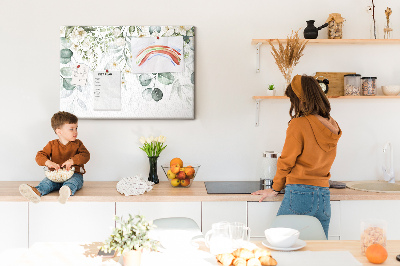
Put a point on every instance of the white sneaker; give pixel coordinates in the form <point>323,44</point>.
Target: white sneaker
<point>65,192</point>
<point>30,193</point>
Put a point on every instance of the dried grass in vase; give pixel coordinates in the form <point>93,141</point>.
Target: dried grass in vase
<point>287,57</point>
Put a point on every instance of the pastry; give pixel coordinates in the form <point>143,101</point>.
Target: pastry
<point>243,253</point>
<point>258,252</point>
<point>267,261</point>
<point>253,262</point>
<point>239,262</point>
<point>226,258</point>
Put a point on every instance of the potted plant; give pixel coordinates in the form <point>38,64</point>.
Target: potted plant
<point>129,238</point>
<point>271,90</point>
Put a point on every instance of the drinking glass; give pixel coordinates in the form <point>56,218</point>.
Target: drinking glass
<point>239,233</point>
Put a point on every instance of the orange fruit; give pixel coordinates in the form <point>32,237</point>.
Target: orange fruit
<point>176,161</point>
<point>376,254</point>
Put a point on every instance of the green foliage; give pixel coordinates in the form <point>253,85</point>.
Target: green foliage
<point>271,87</point>
<point>166,78</point>
<point>130,234</point>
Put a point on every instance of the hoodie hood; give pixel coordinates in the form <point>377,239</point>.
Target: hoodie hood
<point>325,138</point>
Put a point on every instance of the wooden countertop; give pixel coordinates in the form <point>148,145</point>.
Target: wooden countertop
<point>105,191</point>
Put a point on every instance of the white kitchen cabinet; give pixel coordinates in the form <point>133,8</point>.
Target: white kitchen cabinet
<point>13,225</point>
<point>355,211</point>
<point>155,210</point>
<point>218,211</point>
<point>260,216</point>
<point>72,222</point>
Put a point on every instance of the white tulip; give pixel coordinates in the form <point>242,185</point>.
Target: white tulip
<point>142,140</point>
<point>148,140</point>
<point>156,139</point>
<point>162,139</point>
<point>151,138</point>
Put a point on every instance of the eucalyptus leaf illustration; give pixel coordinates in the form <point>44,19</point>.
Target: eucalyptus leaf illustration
<point>68,30</point>
<point>67,84</point>
<point>176,89</point>
<point>156,94</point>
<point>88,28</point>
<point>166,78</point>
<point>66,72</point>
<point>145,79</point>
<point>146,94</point>
<point>154,28</point>
<point>66,43</point>
<point>192,78</point>
<point>186,39</point>
<point>81,104</point>
<point>65,93</point>
<point>131,29</point>
<point>65,56</point>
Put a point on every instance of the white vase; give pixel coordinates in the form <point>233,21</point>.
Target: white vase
<point>270,92</point>
<point>131,258</point>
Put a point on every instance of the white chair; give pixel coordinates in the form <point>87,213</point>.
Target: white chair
<point>179,227</point>
<point>310,227</point>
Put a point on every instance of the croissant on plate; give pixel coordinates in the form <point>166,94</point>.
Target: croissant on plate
<point>226,258</point>
<point>239,262</point>
<point>243,253</point>
<point>253,262</point>
<point>267,261</point>
<point>258,252</point>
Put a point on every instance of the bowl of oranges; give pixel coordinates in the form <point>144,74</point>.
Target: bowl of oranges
<point>180,174</point>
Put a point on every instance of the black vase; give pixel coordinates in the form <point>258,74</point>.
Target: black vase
<point>153,177</point>
<point>311,32</point>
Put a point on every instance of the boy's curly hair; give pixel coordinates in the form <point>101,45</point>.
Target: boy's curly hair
<point>61,118</point>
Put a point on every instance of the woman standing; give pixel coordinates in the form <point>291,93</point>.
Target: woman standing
<point>308,153</point>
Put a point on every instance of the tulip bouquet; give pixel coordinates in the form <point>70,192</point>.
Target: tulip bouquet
<point>153,146</point>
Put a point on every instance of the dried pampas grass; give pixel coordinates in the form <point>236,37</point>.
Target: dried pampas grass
<point>287,57</point>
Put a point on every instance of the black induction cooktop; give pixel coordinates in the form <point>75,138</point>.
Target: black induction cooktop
<point>232,187</point>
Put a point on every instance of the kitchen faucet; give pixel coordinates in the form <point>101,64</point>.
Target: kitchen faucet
<point>388,174</point>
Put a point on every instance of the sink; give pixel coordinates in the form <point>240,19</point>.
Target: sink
<point>375,186</point>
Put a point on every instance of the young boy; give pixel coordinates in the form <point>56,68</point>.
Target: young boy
<point>66,151</point>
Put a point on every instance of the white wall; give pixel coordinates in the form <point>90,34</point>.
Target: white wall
<point>222,138</point>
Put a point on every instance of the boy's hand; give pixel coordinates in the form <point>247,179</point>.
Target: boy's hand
<point>68,164</point>
<point>52,165</point>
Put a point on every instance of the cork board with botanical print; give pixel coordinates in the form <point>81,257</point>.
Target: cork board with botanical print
<point>127,72</point>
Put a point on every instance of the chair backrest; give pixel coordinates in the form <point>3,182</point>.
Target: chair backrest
<point>178,223</point>
<point>310,227</point>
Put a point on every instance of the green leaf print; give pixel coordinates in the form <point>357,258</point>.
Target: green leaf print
<point>67,84</point>
<point>145,79</point>
<point>166,78</point>
<point>66,72</point>
<point>154,28</point>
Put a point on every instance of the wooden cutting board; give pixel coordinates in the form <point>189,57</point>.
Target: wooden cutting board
<point>336,81</point>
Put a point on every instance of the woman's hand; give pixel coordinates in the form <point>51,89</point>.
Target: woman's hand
<point>265,193</point>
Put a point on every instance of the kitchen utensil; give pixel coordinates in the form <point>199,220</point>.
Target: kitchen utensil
<point>311,32</point>
<point>391,90</point>
<point>282,237</point>
<point>218,239</point>
<point>352,85</point>
<point>368,86</point>
<point>270,159</point>
<point>239,233</point>
<point>297,245</point>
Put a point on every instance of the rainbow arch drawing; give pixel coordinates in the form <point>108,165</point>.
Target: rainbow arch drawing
<point>150,51</point>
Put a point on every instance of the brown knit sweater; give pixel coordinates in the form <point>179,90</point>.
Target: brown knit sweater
<point>308,153</point>
<point>57,152</point>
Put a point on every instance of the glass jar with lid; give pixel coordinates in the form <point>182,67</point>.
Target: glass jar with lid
<point>270,158</point>
<point>368,86</point>
<point>352,85</point>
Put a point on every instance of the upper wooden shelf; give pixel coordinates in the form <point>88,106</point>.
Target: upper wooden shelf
<point>341,97</point>
<point>333,41</point>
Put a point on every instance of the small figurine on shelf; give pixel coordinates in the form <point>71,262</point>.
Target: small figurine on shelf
<point>387,30</point>
<point>335,26</point>
<point>271,90</point>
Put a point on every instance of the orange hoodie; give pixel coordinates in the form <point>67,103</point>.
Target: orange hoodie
<point>307,155</point>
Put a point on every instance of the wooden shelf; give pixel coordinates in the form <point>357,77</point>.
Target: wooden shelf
<point>331,97</point>
<point>332,41</point>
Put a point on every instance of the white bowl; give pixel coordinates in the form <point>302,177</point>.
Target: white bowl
<point>282,237</point>
<point>391,90</point>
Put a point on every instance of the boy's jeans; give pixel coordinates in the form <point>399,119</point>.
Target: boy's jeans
<point>308,200</point>
<point>74,183</point>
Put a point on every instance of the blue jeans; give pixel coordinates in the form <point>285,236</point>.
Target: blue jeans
<point>308,200</point>
<point>74,183</point>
